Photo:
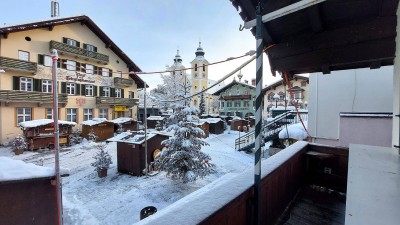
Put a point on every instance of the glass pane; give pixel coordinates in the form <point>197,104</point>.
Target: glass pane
<point>27,110</point>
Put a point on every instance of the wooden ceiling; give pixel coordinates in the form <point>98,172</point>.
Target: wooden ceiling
<point>332,35</point>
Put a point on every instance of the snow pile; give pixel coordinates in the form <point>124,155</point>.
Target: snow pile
<point>11,170</point>
<point>194,208</point>
<point>42,122</point>
<point>296,131</point>
<point>121,120</point>
<point>94,121</point>
<point>155,118</point>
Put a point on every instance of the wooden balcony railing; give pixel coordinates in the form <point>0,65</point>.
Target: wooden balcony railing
<point>128,102</point>
<point>237,97</point>
<point>18,65</point>
<point>10,96</point>
<point>80,52</point>
<point>123,81</point>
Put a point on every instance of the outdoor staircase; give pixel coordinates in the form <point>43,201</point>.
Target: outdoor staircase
<point>270,131</point>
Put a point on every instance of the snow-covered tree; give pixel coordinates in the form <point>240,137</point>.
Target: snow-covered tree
<point>202,105</point>
<point>92,136</point>
<point>102,158</point>
<point>159,126</point>
<point>183,159</point>
<point>19,142</point>
<point>214,104</point>
<point>75,137</point>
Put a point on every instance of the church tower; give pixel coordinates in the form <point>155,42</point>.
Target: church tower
<point>199,75</point>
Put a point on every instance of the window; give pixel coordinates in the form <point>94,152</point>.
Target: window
<point>204,68</point>
<point>229,104</point>
<point>204,75</point>
<point>25,84</point>
<point>195,67</point>
<point>237,92</point>
<point>89,90</point>
<point>237,104</point>
<point>71,115</point>
<point>131,94</point>
<point>118,92</point>
<point>87,114</point>
<point>71,88</point>
<point>195,103</point>
<point>49,113</point>
<point>106,92</point>
<point>246,92</point>
<point>246,104</point>
<point>72,42</point>
<point>24,114</point>
<point>195,75</point>
<point>105,72</point>
<point>90,48</point>
<point>46,86</point>
<point>221,105</point>
<point>89,69</point>
<point>103,113</point>
<point>71,65</point>
<point>45,60</point>
<point>22,55</point>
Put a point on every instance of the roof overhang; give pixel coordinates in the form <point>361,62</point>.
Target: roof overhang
<point>331,35</point>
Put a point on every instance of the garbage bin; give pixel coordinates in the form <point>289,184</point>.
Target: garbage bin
<point>147,211</point>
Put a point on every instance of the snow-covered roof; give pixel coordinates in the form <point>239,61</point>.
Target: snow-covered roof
<point>42,122</point>
<point>135,137</point>
<point>121,120</point>
<point>155,118</point>
<point>283,108</point>
<point>12,170</point>
<point>94,121</point>
<point>215,88</point>
<point>295,131</point>
<point>211,120</point>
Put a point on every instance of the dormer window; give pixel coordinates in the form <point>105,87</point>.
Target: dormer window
<point>71,42</point>
<point>91,48</point>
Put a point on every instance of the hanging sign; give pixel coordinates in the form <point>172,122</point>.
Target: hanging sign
<point>119,108</point>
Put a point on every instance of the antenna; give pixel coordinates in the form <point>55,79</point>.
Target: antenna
<point>55,9</point>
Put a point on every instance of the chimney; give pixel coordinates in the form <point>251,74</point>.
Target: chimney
<point>253,82</point>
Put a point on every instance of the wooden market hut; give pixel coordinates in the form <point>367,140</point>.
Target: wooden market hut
<point>236,123</point>
<point>126,123</point>
<point>40,133</point>
<point>102,128</point>
<point>27,193</point>
<point>205,126</point>
<point>152,121</point>
<point>131,150</point>
<point>216,125</point>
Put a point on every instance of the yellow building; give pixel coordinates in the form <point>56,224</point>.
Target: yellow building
<point>93,79</point>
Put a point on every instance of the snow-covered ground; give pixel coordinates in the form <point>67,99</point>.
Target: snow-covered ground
<point>118,198</point>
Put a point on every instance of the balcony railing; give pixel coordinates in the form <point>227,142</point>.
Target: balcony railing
<point>123,82</point>
<point>10,96</point>
<point>129,102</point>
<point>18,65</point>
<point>236,97</point>
<point>80,52</point>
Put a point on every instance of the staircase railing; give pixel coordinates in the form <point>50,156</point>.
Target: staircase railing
<point>270,130</point>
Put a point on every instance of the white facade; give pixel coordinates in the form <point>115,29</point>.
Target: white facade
<point>347,91</point>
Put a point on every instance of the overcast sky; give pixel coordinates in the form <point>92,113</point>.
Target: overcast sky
<point>150,31</point>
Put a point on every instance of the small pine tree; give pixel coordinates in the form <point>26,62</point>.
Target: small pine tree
<point>19,142</point>
<point>158,126</point>
<point>75,137</point>
<point>92,136</point>
<point>120,129</point>
<point>183,159</point>
<point>102,158</point>
<point>202,106</point>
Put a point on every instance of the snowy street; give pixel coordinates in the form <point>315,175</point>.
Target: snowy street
<point>118,198</point>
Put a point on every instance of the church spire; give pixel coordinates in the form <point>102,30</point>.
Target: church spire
<point>177,57</point>
<point>200,51</point>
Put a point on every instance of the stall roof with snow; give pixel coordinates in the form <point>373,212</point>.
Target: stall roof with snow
<point>155,118</point>
<point>136,137</point>
<point>122,120</point>
<point>42,122</point>
<point>94,121</point>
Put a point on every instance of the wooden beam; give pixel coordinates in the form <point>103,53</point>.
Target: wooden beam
<point>51,27</point>
<point>315,18</point>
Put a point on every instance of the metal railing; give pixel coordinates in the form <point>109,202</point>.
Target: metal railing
<point>10,96</point>
<point>62,47</point>
<point>270,130</point>
<point>16,64</point>
<point>129,102</point>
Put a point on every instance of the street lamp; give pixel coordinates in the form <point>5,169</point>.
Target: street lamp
<point>276,97</point>
<point>299,102</point>
<point>305,104</point>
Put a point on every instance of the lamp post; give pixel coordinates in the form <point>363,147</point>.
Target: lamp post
<point>305,104</point>
<point>299,103</point>
<point>276,97</point>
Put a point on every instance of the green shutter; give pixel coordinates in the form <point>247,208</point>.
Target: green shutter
<point>64,63</point>
<point>94,69</point>
<point>110,74</point>
<point>95,48</point>
<point>83,69</point>
<point>65,40</point>
<point>122,93</point>
<point>95,90</point>
<point>78,89</point>
<point>36,85</point>
<point>63,87</point>
<point>112,92</point>
<point>15,83</point>
<point>78,44</point>
<point>58,63</point>
<point>84,45</point>
<point>40,59</point>
<point>101,91</point>
<point>99,70</point>
<point>83,89</point>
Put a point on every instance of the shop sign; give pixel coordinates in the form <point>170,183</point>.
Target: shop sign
<point>119,108</point>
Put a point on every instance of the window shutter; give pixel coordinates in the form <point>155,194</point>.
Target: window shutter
<point>78,66</point>
<point>84,45</point>
<point>65,40</point>
<point>95,69</point>
<point>110,73</point>
<point>95,48</point>
<point>15,83</point>
<point>58,63</point>
<point>94,90</point>
<point>112,92</point>
<point>40,59</point>
<point>122,93</point>
<point>78,44</point>
<point>78,89</point>
<point>100,70</point>
<point>63,87</point>
<point>83,89</point>
<point>101,91</point>
<point>83,69</point>
<point>36,85</point>
<point>64,63</point>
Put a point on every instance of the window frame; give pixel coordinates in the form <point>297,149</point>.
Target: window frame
<point>23,114</point>
<point>106,92</point>
<point>71,90</point>
<point>89,90</point>
<point>89,70</point>
<point>105,72</point>
<point>23,58</point>
<point>87,114</point>
<point>118,93</point>
<point>103,113</point>
<point>47,86</point>
<point>24,81</point>
<point>69,67</point>
<point>72,42</point>
<point>71,114</point>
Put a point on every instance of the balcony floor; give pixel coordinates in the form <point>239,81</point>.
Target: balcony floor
<point>315,207</point>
